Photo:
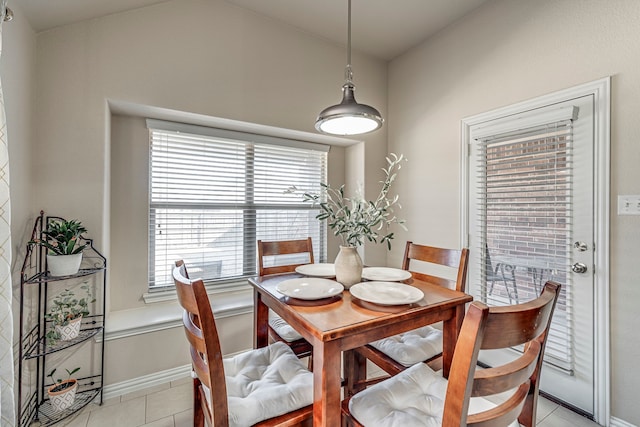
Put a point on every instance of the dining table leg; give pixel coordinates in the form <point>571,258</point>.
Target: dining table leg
<point>326,384</point>
<point>354,372</point>
<point>451,329</point>
<point>260,321</point>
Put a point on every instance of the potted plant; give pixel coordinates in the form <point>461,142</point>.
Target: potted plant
<point>356,220</point>
<point>66,314</point>
<point>64,244</point>
<point>62,394</point>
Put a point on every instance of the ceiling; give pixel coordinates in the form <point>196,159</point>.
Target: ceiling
<point>382,28</point>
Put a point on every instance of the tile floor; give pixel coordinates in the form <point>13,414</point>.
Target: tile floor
<point>169,405</point>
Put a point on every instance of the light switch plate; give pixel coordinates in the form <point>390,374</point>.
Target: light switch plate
<point>628,205</point>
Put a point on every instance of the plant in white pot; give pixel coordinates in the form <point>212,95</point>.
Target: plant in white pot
<point>64,243</point>
<point>66,314</point>
<point>62,394</point>
<point>357,220</point>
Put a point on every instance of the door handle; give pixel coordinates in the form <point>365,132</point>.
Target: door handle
<point>580,246</point>
<point>579,267</point>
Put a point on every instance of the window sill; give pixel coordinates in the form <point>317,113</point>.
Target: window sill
<point>213,288</point>
<point>168,314</point>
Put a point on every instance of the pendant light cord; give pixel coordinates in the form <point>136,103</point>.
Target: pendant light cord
<point>348,117</point>
<point>348,74</point>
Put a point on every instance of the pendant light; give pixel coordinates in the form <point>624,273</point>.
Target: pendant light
<point>348,117</point>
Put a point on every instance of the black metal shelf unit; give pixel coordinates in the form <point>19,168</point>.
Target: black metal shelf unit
<point>37,354</point>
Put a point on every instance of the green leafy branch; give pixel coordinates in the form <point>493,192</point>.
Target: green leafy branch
<point>355,219</point>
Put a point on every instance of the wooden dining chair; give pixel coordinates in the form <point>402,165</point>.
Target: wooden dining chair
<point>301,251</point>
<point>419,396</point>
<point>265,387</point>
<point>395,354</point>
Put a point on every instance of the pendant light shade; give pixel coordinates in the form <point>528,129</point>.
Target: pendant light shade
<point>348,117</point>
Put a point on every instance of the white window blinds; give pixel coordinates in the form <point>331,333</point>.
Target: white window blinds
<point>214,193</point>
<point>523,220</point>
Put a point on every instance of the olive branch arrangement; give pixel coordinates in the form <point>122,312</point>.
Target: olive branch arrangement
<point>355,219</point>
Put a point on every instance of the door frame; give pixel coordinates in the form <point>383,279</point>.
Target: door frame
<point>601,90</point>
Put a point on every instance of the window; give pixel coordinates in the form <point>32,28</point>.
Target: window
<point>525,202</point>
<point>526,205</point>
<point>214,193</point>
<point>523,209</point>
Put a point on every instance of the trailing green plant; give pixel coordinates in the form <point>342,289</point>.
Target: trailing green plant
<point>58,382</point>
<point>65,307</point>
<point>355,219</point>
<point>63,237</point>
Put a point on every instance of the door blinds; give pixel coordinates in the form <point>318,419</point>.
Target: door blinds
<point>213,193</point>
<point>523,219</point>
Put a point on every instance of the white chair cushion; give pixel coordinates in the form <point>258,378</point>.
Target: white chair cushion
<point>265,383</point>
<point>414,397</point>
<point>412,347</point>
<point>282,328</point>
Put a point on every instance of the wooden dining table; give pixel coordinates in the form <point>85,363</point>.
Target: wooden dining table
<point>342,323</point>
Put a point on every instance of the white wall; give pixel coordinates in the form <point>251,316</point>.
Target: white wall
<point>200,56</point>
<point>17,70</point>
<point>505,52</point>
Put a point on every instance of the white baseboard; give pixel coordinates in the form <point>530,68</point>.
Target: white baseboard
<point>152,380</point>
<point>617,422</point>
<point>146,381</point>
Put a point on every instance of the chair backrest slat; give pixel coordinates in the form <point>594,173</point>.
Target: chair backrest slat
<point>526,322</point>
<point>454,258</point>
<point>283,247</point>
<point>506,377</point>
<point>503,414</point>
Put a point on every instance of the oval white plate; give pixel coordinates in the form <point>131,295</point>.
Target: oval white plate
<point>385,274</point>
<point>310,288</point>
<point>386,293</point>
<point>322,269</point>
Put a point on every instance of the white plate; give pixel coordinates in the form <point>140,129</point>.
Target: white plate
<point>322,269</point>
<point>386,293</point>
<point>385,274</point>
<point>310,288</point>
